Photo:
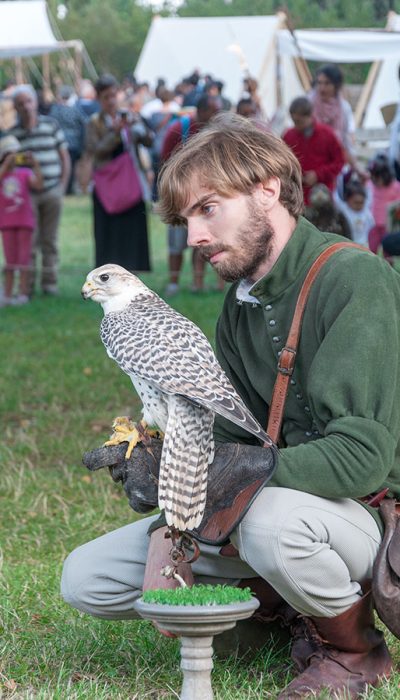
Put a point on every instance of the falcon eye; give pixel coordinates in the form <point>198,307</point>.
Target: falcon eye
<point>104,278</point>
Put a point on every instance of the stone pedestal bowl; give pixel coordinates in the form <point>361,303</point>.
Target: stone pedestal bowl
<point>196,625</point>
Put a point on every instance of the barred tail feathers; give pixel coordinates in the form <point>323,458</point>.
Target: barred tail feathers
<point>187,450</point>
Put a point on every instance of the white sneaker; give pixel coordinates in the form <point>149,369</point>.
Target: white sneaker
<point>171,289</point>
<point>6,301</point>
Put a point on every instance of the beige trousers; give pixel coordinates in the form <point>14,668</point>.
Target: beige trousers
<point>47,206</point>
<point>313,551</point>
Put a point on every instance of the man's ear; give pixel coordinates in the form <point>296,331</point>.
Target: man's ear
<point>269,191</point>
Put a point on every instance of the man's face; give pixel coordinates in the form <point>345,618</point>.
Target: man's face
<point>356,201</point>
<point>233,234</point>
<point>302,122</point>
<point>108,99</point>
<point>247,110</point>
<point>214,106</point>
<point>26,106</point>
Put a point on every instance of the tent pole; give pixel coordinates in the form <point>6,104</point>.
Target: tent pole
<point>19,70</point>
<point>78,68</point>
<point>46,72</point>
<point>299,61</point>
<point>372,77</point>
<point>362,103</point>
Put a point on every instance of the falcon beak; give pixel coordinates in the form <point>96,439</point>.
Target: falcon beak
<point>87,290</point>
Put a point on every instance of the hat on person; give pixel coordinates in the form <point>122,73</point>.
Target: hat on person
<point>65,92</point>
<point>8,144</point>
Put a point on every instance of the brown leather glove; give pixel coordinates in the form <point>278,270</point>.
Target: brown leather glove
<point>235,477</point>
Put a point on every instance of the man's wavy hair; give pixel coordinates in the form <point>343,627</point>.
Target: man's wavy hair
<point>229,156</point>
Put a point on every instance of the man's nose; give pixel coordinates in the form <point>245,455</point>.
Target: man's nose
<point>197,233</point>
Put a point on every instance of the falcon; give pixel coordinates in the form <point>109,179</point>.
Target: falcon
<point>181,385</point>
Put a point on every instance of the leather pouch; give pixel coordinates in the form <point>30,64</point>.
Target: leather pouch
<point>386,572</point>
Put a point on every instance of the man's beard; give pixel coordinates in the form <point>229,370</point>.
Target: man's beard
<point>253,246</point>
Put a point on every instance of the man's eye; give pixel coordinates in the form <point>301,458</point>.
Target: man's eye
<point>208,208</point>
<point>104,278</point>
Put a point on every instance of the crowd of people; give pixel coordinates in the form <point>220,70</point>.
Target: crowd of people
<point>112,134</point>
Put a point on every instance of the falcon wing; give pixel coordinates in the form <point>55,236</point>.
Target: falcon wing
<point>156,343</point>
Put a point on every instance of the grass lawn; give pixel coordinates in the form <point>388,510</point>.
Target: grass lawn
<point>59,394</point>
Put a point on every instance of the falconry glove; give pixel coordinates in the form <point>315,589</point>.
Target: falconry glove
<point>235,477</point>
<point>138,474</point>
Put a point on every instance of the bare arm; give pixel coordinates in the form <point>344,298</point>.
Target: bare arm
<point>65,167</point>
<point>7,164</point>
<point>36,178</point>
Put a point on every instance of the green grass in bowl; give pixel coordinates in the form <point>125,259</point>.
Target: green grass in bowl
<point>198,595</point>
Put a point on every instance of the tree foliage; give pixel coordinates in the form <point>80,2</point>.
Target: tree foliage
<point>114,32</point>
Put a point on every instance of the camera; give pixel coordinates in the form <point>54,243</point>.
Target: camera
<point>21,159</point>
<point>123,113</point>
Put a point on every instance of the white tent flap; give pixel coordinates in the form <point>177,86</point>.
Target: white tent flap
<point>350,46</point>
<point>25,29</point>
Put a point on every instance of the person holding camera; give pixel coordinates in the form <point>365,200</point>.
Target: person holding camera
<point>42,136</point>
<point>19,174</point>
<point>120,227</point>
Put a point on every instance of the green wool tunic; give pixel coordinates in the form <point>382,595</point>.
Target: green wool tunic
<point>341,427</point>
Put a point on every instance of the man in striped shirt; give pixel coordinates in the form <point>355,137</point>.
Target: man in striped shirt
<point>43,137</point>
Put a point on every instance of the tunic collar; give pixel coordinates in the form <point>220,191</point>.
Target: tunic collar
<point>302,248</point>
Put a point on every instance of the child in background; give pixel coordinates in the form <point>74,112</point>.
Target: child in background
<point>17,219</point>
<point>355,207</point>
<point>322,212</point>
<point>384,189</point>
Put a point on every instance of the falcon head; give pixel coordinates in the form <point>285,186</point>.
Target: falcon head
<point>113,287</point>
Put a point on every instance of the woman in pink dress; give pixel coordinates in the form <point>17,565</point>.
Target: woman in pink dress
<point>19,174</point>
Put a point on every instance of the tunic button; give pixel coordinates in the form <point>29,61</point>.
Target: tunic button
<point>293,382</point>
<point>308,433</point>
<point>276,338</point>
<point>268,307</point>
<point>279,353</point>
<point>299,396</point>
<point>307,409</point>
<point>272,322</point>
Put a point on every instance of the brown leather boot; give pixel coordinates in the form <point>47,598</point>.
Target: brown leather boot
<point>277,614</point>
<point>268,626</point>
<point>349,654</point>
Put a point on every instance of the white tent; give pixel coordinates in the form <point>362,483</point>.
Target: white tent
<point>25,30</point>
<point>356,46</point>
<point>226,47</point>
<point>383,87</point>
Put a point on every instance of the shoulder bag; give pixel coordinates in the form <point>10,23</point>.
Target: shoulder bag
<point>117,184</point>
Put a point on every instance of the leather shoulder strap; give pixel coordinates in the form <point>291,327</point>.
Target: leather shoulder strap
<point>288,355</point>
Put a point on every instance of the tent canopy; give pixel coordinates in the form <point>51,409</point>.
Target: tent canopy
<point>225,47</point>
<point>228,47</point>
<point>25,30</point>
<point>341,46</point>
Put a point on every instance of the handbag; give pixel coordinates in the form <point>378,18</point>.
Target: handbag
<point>117,184</point>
